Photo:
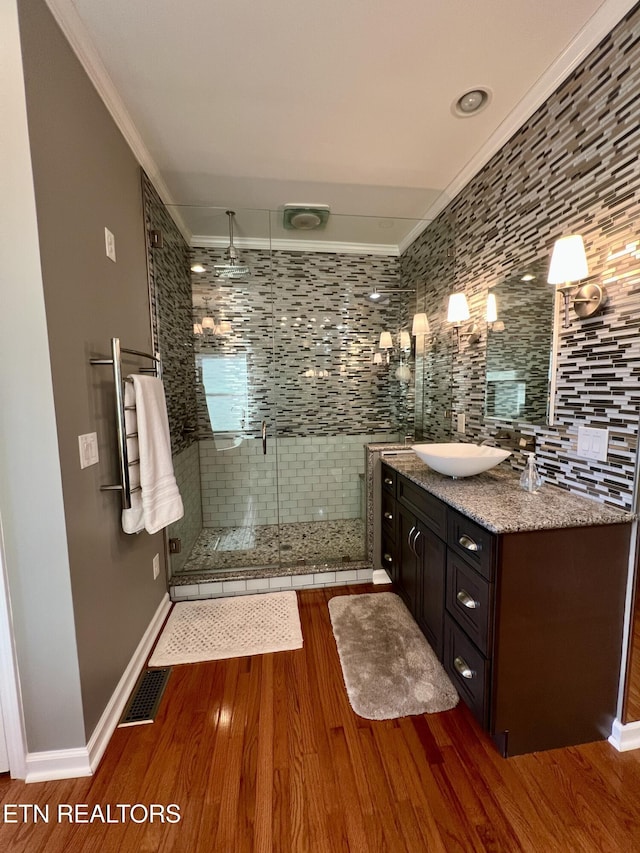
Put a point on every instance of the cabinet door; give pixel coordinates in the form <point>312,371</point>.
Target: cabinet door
<point>408,573</point>
<point>432,561</point>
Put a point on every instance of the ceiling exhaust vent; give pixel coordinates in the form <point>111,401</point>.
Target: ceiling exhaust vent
<point>305,217</point>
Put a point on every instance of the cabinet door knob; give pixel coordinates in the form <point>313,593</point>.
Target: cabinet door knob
<point>388,481</point>
<point>468,543</point>
<point>388,515</point>
<point>387,558</point>
<point>466,600</point>
<point>463,667</point>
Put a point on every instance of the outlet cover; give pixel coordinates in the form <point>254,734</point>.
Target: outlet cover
<point>88,445</point>
<point>593,443</point>
<point>110,244</point>
<point>461,423</point>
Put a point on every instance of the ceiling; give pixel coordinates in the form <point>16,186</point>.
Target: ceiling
<point>341,102</point>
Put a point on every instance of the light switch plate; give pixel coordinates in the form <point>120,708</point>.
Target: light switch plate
<point>88,444</point>
<point>593,443</point>
<point>110,244</point>
<point>461,423</point>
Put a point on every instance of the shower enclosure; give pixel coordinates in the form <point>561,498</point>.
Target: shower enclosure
<point>290,383</point>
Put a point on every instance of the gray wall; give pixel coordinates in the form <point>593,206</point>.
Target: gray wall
<point>572,168</point>
<point>86,178</point>
<point>31,506</point>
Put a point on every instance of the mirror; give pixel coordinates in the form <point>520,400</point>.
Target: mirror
<point>519,358</point>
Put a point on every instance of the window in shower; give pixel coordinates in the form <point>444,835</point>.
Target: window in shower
<point>226,390</point>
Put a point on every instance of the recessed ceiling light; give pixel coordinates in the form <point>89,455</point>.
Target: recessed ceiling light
<point>472,102</point>
<point>375,296</point>
<point>198,268</point>
<point>527,277</point>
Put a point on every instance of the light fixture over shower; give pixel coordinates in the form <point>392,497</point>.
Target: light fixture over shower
<point>232,268</point>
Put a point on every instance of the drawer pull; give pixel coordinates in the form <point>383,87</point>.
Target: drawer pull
<point>387,558</point>
<point>388,516</point>
<point>466,600</point>
<point>463,668</point>
<point>468,543</point>
<point>388,481</point>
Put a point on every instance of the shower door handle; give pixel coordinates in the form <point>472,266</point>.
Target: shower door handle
<point>264,437</point>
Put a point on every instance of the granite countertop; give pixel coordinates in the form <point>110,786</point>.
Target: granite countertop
<point>496,501</point>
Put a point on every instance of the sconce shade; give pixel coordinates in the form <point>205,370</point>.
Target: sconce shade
<point>377,358</point>
<point>458,310</point>
<point>197,328</point>
<point>223,328</point>
<point>405,340</point>
<point>386,342</point>
<point>208,323</point>
<point>420,325</point>
<point>492,308</point>
<point>568,260</point>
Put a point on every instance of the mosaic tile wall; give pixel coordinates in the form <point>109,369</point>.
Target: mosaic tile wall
<point>170,289</point>
<point>572,168</point>
<point>308,478</point>
<point>308,333</point>
<point>170,295</point>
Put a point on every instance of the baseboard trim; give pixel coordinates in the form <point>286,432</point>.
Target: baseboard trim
<point>111,715</point>
<point>57,764</point>
<point>83,761</point>
<point>625,736</point>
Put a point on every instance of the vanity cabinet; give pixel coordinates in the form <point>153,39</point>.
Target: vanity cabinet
<point>527,624</point>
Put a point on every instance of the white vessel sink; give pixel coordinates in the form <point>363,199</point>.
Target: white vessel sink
<point>460,460</point>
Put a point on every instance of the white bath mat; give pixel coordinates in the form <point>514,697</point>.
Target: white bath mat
<point>235,627</point>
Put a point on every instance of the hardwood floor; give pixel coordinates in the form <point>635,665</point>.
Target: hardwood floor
<point>264,754</point>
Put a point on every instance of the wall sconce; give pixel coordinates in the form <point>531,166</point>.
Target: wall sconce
<point>493,324</point>
<point>420,325</point>
<point>386,343</point>
<point>492,308</point>
<point>568,265</point>
<point>458,313</point>
<point>377,358</point>
<point>404,340</point>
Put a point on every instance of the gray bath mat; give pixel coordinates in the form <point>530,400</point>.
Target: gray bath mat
<point>389,669</point>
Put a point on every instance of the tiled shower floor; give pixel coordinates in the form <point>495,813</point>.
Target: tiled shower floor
<point>300,544</point>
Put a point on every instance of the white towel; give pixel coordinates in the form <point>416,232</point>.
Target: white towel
<point>159,496</point>
<point>132,519</point>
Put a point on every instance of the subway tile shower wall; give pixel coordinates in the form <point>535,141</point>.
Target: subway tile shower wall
<point>572,168</point>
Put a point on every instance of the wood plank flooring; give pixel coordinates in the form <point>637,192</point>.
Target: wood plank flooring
<point>265,754</point>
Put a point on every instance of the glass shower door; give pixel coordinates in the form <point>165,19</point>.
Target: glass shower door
<point>234,358</point>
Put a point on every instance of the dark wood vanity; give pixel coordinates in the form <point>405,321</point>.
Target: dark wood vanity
<point>528,624</point>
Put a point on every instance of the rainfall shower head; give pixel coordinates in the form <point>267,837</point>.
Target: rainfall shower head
<point>232,268</point>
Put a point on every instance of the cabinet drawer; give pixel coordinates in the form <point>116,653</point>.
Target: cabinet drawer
<point>467,668</point>
<point>388,558</point>
<point>430,510</point>
<point>389,478</point>
<point>476,544</point>
<point>469,599</point>
<point>389,520</point>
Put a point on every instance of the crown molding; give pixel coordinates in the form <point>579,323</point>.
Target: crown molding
<point>387,249</point>
<point>78,36</point>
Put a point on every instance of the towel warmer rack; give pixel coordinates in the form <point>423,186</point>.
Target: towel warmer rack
<point>124,486</point>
